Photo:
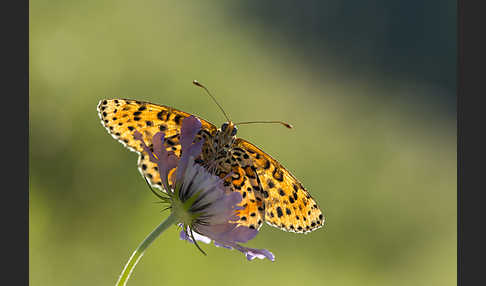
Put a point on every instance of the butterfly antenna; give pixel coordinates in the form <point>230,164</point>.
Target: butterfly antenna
<point>279,122</point>
<point>195,82</point>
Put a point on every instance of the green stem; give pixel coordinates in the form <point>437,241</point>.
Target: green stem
<point>138,253</point>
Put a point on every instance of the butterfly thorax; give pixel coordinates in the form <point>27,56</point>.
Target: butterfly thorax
<point>217,147</point>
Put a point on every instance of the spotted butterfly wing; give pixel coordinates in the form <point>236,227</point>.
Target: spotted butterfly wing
<point>121,117</point>
<point>288,205</point>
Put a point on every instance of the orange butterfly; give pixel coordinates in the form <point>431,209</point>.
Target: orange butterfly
<point>270,193</point>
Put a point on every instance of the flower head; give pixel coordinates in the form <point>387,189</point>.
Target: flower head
<point>204,207</point>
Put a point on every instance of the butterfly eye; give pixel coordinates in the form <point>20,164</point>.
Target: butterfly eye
<point>233,132</point>
<point>224,126</point>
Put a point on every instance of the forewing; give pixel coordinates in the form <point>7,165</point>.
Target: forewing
<point>121,117</point>
<point>288,205</point>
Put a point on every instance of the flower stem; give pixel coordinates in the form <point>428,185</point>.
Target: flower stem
<point>138,253</point>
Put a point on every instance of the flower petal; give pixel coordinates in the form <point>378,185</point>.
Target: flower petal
<point>184,236</point>
<point>224,209</point>
<point>222,245</point>
<point>158,142</point>
<point>190,127</point>
<point>166,161</point>
<point>227,233</point>
<point>252,253</point>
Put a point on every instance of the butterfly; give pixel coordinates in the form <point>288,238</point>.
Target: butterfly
<point>269,192</point>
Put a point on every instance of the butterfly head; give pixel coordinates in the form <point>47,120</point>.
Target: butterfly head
<point>229,129</point>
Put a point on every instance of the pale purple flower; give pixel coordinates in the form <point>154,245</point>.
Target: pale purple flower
<point>205,207</point>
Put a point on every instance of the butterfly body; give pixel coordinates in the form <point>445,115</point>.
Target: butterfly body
<point>269,192</point>
<point>218,145</point>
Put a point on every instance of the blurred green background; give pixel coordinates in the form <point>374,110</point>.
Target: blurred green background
<point>369,87</point>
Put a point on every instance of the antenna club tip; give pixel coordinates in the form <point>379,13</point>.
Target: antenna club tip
<point>195,82</point>
<point>289,126</point>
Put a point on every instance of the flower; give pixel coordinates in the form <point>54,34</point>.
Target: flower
<point>203,206</point>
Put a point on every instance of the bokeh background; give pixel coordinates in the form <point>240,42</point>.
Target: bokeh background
<point>368,85</point>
